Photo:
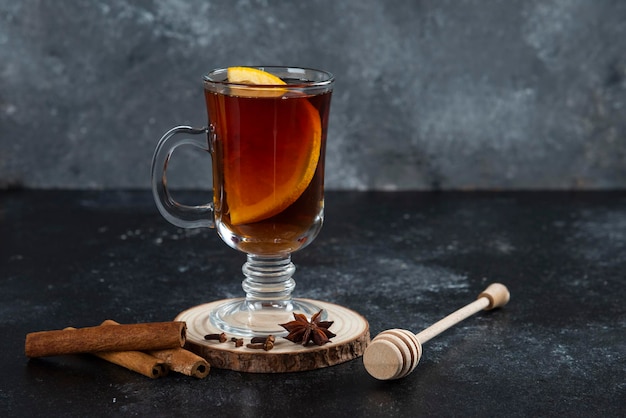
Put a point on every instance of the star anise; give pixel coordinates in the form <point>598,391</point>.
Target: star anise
<point>302,331</point>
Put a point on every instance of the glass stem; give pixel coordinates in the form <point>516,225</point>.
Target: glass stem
<point>269,282</point>
<point>268,302</point>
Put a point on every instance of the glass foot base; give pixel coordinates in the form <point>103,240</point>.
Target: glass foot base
<point>243,318</point>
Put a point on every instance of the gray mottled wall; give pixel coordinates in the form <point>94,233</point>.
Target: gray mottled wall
<point>432,94</point>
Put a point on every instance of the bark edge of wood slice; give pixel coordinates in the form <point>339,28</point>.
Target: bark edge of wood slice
<point>352,338</point>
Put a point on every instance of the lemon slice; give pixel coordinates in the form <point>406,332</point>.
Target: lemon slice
<point>253,76</point>
<point>257,190</point>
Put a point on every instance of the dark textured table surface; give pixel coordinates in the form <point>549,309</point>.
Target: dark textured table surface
<point>400,259</point>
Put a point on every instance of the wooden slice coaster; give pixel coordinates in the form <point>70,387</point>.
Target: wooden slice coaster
<point>352,338</point>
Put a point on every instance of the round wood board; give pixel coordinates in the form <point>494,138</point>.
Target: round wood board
<point>352,338</point>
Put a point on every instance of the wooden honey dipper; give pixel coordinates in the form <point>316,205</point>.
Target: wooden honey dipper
<point>394,353</point>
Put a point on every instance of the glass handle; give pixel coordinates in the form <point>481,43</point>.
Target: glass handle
<point>176,213</point>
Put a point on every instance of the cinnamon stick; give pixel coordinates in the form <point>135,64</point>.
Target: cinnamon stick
<point>127,337</point>
<point>135,361</point>
<point>178,359</point>
<point>183,361</point>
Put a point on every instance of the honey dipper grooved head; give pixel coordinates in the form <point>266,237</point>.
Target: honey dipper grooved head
<point>393,354</point>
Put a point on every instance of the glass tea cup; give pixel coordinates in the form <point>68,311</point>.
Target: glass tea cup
<point>267,144</point>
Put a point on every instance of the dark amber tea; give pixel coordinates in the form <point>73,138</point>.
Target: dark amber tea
<point>268,168</point>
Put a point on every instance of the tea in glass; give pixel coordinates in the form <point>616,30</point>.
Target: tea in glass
<point>268,174</point>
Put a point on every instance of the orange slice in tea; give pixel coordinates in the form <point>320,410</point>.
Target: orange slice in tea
<point>259,190</point>
<point>249,76</point>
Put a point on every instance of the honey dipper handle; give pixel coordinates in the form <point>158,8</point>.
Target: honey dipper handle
<point>497,294</point>
<point>494,296</point>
